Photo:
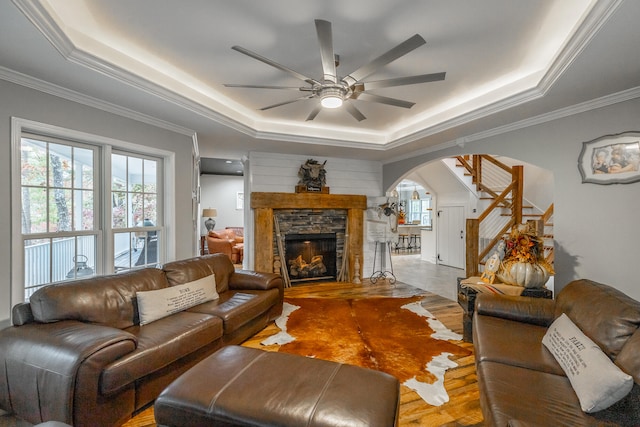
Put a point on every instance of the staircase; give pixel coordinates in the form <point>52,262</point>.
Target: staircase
<point>501,189</point>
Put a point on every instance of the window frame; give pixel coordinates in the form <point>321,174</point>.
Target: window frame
<point>132,229</point>
<point>96,230</point>
<point>166,163</point>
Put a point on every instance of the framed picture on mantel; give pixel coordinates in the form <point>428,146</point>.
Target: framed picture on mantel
<point>611,159</point>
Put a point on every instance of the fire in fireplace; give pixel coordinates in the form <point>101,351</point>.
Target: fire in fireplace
<point>311,256</point>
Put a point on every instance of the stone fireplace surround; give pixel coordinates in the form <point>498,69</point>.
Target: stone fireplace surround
<point>350,207</point>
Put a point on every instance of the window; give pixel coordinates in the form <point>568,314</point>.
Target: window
<point>420,211</point>
<point>68,224</point>
<point>58,206</point>
<point>134,217</point>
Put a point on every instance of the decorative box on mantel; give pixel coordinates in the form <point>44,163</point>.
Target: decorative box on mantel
<point>311,189</point>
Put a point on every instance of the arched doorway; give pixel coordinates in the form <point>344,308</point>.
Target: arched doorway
<point>456,197</point>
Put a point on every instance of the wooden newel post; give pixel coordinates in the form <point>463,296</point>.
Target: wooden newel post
<point>472,249</point>
<point>516,208</point>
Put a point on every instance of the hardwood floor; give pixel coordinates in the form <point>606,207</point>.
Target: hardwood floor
<point>463,407</point>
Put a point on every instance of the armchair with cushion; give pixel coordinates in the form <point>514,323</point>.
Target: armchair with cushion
<point>228,242</point>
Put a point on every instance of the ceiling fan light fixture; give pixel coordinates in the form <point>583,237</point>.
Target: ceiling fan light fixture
<point>331,101</point>
<point>331,97</point>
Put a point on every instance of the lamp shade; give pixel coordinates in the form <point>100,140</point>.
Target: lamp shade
<point>209,213</point>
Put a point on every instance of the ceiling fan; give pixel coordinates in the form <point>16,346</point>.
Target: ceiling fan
<point>334,91</point>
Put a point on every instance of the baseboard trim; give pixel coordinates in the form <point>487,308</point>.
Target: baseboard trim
<point>5,323</point>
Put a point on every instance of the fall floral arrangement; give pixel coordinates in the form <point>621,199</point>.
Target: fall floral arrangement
<point>523,261</point>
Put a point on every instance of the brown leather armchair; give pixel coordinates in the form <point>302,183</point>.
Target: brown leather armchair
<point>228,242</point>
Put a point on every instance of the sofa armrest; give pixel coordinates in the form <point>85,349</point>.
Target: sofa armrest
<point>537,311</point>
<point>247,279</point>
<point>21,314</point>
<point>41,364</point>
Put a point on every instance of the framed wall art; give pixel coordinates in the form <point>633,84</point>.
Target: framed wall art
<point>611,159</point>
<point>239,200</point>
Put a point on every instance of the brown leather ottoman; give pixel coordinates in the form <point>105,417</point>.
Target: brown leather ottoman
<point>240,386</point>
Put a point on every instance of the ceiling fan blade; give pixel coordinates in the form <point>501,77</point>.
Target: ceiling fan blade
<point>303,89</point>
<point>325,38</point>
<point>275,64</point>
<point>312,115</point>
<point>385,100</point>
<point>393,54</point>
<point>291,101</point>
<point>354,111</point>
<point>402,81</point>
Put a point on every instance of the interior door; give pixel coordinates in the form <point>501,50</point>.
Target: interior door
<point>451,236</point>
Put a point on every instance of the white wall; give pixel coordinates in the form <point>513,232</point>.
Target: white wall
<point>268,172</point>
<point>279,173</point>
<point>220,192</point>
<point>19,101</point>
<point>595,226</point>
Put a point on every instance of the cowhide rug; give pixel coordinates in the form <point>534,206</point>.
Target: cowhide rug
<point>393,335</point>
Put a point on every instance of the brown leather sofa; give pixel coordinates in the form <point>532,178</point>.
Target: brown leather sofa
<point>520,382</point>
<point>229,241</point>
<point>78,354</point>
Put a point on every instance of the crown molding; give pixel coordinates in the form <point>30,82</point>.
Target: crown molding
<point>590,105</point>
<point>41,17</point>
<point>70,95</point>
<point>589,27</point>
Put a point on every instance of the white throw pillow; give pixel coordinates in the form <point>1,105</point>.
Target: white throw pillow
<point>154,305</point>
<point>597,381</point>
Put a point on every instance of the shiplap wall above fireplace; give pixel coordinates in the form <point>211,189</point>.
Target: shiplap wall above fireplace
<point>278,173</point>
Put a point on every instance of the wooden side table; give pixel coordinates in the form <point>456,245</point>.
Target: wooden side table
<point>467,300</point>
<point>204,250</point>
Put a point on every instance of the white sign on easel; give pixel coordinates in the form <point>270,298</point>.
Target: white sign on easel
<point>381,219</point>
<point>382,229</point>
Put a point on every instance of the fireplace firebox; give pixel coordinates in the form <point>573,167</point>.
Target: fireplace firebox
<point>311,257</point>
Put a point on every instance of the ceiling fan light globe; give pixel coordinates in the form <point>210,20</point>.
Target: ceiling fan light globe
<point>331,101</point>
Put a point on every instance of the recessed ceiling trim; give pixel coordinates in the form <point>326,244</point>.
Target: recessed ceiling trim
<point>597,16</point>
<point>478,113</point>
<point>40,17</point>
<point>593,104</point>
<point>70,95</point>
<point>248,123</point>
<point>346,143</point>
<point>45,23</point>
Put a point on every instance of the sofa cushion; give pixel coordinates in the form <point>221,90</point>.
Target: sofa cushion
<point>103,300</point>
<point>159,344</point>
<point>238,308</point>
<point>514,343</point>
<point>154,305</point>
<point>179,272</point>
<point>226,234</point>
<point>510,392</point>
<point>597,381</point>
<point>604,314</point>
